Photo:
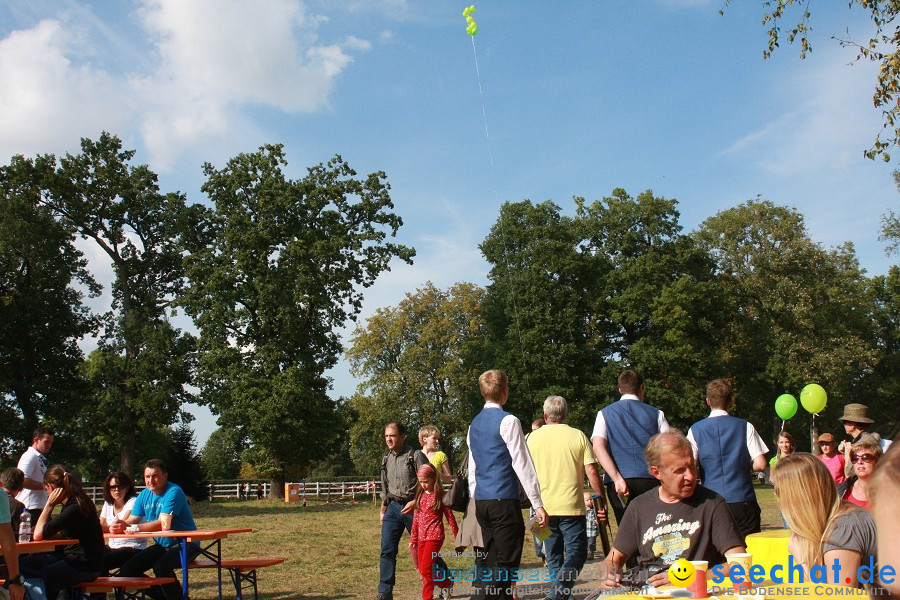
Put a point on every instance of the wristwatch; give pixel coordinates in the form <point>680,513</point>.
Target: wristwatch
<point>17,580</point>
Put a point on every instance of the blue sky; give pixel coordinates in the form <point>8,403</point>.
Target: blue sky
<point>580,97</point>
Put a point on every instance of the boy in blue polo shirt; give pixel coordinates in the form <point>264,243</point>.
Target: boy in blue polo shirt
<point>160,496</point>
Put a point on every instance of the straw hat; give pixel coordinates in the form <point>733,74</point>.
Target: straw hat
<point>856,413</point>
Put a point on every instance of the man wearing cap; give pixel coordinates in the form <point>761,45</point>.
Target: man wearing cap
<point>856,423</point>
<point>832,460</point>
<point>727,449</point>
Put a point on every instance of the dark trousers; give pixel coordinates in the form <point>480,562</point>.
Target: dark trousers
<point>503,532</point>
<point>636,487</point>
<point>58,573</point>
<point>747,517</point>
<point>116,557</point>
<point>163,561</point>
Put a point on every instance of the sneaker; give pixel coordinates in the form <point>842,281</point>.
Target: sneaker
<point>384,597</point>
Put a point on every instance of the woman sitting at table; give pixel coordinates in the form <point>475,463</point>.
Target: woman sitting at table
<point>77,562</point>
<point>864,456</point>
<point>118,500</point>
<point>823,527</point>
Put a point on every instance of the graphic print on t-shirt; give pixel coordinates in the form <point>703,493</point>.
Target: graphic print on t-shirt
<point>670,540</point>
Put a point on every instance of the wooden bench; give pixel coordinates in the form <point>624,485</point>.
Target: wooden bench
<point>242,571</point>
<point>125,588</point>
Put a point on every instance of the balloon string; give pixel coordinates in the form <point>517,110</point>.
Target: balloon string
<point>512,287</point>
<point>483,110</point>
<point>782,425</point>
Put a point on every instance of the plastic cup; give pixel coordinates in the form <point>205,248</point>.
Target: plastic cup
<point>165,520</point>
<point>746,561</point>
<point>698,588</point>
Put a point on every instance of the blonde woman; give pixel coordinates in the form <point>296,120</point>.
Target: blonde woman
<point>863,456</point>
<point>429,438</point>
<point>823,527</point>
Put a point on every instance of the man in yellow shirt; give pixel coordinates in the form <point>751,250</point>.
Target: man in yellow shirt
<point>562,457</point>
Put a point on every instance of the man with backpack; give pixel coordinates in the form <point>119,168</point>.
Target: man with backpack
<point>398,487</point>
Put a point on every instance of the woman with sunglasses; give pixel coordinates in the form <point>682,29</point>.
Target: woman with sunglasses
<point>77,520</point>
<point>118,499</point>
<point>823,527</point>
<point>864,456</point>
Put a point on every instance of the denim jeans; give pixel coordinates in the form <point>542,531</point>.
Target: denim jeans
<point>568,539</point>
<point>392,527</point>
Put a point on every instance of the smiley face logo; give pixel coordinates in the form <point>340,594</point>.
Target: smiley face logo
<point>682,573</point>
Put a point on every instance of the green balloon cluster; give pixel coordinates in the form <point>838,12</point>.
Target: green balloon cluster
<point>813,398</point>
<point>472,28</point>
<point>785,406</point>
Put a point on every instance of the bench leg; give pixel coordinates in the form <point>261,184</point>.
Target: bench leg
<point>240,580</point>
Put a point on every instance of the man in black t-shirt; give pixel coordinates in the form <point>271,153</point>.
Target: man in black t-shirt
<point>679,519</point>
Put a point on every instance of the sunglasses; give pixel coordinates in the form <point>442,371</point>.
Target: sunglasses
<point>117,487</point>
<point>866,457</point>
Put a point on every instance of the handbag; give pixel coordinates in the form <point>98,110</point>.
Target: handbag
<point>457,497</point>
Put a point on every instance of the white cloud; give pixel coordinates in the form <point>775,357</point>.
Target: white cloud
<point>47,103</point>
<point>829,121</point>
<point>208,60</point>
<point>216,56</point>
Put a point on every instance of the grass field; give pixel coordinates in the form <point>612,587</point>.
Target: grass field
<point>332,550</point>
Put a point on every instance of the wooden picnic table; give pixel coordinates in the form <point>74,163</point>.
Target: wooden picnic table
<point>213,536</point>
<point>42,546</point>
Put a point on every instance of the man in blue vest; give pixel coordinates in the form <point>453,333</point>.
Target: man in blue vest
<point>621,433</point>
<point>726,449</point>
<point>498,462</point>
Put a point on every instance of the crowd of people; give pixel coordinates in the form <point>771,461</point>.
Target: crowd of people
<point>674,496</point>
<point>33,490</point>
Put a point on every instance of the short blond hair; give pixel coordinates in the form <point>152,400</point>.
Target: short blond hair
<point>493,384</point>
<point>867,444</point>
<point>665,443</point>
<point>428,431</point>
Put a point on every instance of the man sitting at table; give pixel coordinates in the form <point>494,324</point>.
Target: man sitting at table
<point>679,519</point>
<point>159,497</point>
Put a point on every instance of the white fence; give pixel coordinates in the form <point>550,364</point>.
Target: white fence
<point>327,490</point>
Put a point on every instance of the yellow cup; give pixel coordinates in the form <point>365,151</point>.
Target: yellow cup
<point>745,560</point>
<point>165,520</point>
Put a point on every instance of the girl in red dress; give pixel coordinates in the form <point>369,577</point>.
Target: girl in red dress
<point>427,534</point>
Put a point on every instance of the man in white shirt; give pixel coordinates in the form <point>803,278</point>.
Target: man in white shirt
<point>726,449</point>
<point>34,464</point>
<point>498,463</point>
<point>621,432</point>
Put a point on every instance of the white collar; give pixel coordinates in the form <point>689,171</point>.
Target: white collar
<point>718,412</point>
<point>629,397</point>
<point>490,404</point>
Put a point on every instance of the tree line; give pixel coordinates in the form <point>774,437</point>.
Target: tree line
<point>265,270</point>
<point>235,302</point>
<point>574,299</point>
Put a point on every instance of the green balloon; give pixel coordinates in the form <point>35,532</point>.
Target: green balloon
<point>813,398</point>
<point>472,29</point>
<point>785,406</point>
